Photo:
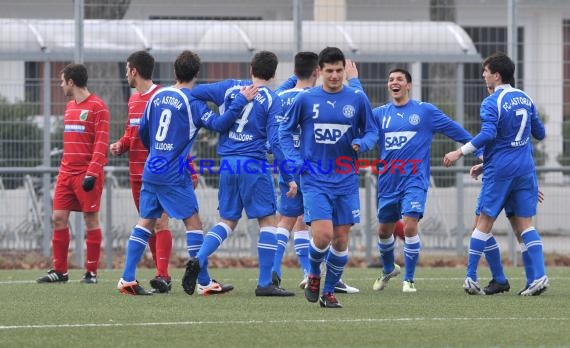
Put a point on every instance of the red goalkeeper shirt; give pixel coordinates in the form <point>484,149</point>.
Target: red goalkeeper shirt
<point>85,137</point>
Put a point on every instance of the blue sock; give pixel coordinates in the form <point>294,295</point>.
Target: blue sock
<point>214,238</point>
<point>336,260</point>
<point>135,249</point>
<point>533,244</point>
<point>493,257</point>
<point>411,256</point>
<point>386,248</point>
<point>266,246</point>
<point>527,263</point>
<point>476,247</point>
<point>194,240</point>
<point>302,240</point>
<point>316,258</point>
<point>282,240</point>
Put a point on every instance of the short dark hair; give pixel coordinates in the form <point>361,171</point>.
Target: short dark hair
<point>305,63</point>
<point>264,65</point>
<point>186,66</point>
<point>143,62</point>
<point>501,63</point>
<point>331,55</point>
<point>75,72</point>
<point>403,71</point>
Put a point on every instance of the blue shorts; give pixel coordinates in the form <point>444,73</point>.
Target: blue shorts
<point>508,209</point>
<point>392,206</point>
<point>253,191</point>
<point>291,207</point>
<point>520,194</point>
<point>341,209</point>
<point>179,202</point>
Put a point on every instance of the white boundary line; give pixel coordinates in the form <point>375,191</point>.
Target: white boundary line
<point>271,322</point>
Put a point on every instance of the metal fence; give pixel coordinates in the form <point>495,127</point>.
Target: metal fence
<point>440,41</point>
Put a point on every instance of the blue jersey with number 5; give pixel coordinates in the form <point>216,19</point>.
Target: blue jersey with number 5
<point>509,118</point>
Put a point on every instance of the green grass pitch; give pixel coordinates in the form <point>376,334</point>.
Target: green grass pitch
<point>440,314</point>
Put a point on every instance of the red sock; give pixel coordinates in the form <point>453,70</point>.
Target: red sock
<point>399,229</point>
<point>60,247</point>
<point>152,247</point>
<point>93,243</point>
<point>163,249</point>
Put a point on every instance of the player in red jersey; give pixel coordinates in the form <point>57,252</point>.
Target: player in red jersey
<point>140,66</point>
<point>80,181</point>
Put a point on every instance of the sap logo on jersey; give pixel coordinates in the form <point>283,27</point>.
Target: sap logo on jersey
<point>329,133</point>
<point>397,140</point>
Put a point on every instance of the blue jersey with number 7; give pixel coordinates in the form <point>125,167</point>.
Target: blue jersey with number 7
<point>509,117</point>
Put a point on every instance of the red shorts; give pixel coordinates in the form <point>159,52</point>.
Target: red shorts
<point>136,190</point>
<point>69,194</point>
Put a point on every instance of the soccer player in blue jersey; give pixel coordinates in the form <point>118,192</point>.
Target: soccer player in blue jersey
<point>290,205</point>
<point>406,133</point>
<point>509,117</point>
<point>336,122</point>
<point>246,180</point>
<point>168,128</point>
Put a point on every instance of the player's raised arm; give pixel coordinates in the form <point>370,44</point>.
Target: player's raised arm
<point>221,123</point>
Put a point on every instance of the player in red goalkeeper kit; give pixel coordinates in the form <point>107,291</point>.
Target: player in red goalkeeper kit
<point>80,181</point>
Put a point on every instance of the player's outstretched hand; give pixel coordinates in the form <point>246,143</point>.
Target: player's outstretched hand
<point>88,183</point>
<point>249,92</point>
<point>350,69</point>
<point>476,170</point>
<point>451,157</point>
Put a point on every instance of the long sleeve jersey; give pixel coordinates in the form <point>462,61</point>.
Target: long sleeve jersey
<point>169,126</point>
<point>257,125</point>
<point>85,137</point>
<point>509,117</point>
<point>130,141</point>
<point>406,134</point>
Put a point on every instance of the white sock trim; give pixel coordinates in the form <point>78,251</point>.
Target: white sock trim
<point>477,234</point>
<point>412,240</point>
<point>225,227</point>
<point>195,232</point>
<point>531,228</point>
<point>338,253</point>
<point>144,229</point>
<point>317,249</point>
<point>304,234</point>
<point>386,241</point>
<point>283,231</point>
<point>269,229</point>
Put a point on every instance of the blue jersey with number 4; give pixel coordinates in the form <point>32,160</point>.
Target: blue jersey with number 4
<point>257,124</point>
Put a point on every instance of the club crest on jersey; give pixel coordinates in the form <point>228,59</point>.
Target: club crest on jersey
<point>397,140</point>
<point>348,111</point>
<point>83,115</point>
<point>414,119</point>
<point>329,133</point>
